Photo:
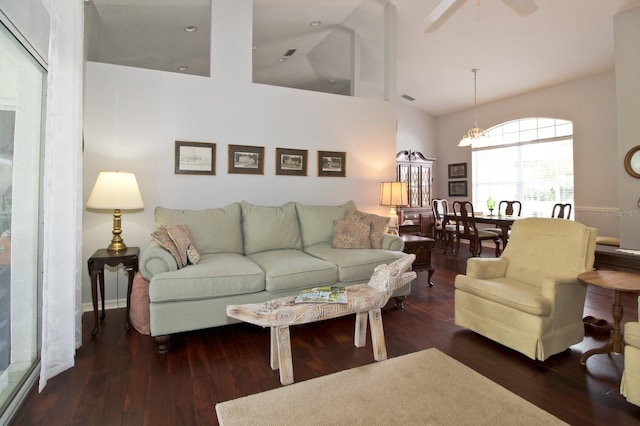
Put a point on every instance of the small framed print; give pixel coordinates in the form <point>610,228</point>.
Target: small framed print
<point>245,159</point>
<point>458,188</point>
<point>291,162</point>
<point>458,171</point>
<point>332,163</point>
<point>195,158</point>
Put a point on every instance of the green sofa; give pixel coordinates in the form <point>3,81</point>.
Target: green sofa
<point>251,254</point>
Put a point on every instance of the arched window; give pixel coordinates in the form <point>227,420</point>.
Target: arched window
<point>530,160</point>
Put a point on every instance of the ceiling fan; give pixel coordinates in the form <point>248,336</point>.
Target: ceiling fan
<point>446,8</point>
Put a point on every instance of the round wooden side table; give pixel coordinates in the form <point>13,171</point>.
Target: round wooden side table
<point>619,282</point>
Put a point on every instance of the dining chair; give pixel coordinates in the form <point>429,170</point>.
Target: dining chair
<point>559,211</point>
<point>507,208</point>
<point>466,229</point>
<point>511,208</point>
<point>442,229</point>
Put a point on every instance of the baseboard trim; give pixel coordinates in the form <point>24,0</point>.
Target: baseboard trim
<point>108,304</point>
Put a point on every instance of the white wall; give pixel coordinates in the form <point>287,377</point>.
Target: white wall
<point>627,36</point>
<point>590,103</point>
<point>417,132</point>
<point>133,116</point>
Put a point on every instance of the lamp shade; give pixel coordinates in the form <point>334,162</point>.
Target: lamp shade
<point>394,194</point>
<point>115,190</point>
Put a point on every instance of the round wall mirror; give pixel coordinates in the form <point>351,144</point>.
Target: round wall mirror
<point>632,162</point>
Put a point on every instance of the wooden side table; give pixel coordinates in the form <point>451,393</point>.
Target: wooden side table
<point>421,247</point>
<point>619,282</point>
<point>96,263</point>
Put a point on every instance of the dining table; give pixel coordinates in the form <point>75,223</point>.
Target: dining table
<point>501,221</point>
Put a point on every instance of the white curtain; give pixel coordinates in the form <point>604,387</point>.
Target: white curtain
<point>61,293</point>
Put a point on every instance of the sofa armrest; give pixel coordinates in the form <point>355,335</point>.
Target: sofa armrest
<point>392,242</point>
<point>155,260</point>
<point>485,269</point>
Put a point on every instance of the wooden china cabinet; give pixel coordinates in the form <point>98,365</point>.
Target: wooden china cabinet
<point>417,170</point>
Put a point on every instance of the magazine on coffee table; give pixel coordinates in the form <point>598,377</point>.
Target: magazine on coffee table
<point>324,294</point>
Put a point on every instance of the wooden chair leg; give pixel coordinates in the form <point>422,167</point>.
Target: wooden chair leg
<point>455,254</point>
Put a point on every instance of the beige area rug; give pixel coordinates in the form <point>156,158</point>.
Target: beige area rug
<point>422,388</point>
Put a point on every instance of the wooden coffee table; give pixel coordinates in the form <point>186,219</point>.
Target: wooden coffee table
<point>279,314</point>
<point>619,282</point>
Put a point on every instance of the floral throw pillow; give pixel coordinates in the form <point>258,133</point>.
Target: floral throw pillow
<point>351,234</point>
<point>161,236</point>
<point>378,226</point>
<point>181,237</point>
<point>177,240</point>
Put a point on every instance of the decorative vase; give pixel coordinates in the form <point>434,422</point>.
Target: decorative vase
<point>491,204</point>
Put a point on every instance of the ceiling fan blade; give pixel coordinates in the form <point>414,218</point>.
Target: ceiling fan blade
<point>522,7</point>
<point>437,12</point>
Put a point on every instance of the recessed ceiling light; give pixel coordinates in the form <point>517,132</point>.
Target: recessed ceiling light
<point>332,81</point>
<point>191,29</point>
<point>183,68</point>
<point>282,59</point>
<point>316,23</point>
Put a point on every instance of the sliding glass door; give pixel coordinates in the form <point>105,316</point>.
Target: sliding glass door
<point>22,94</point>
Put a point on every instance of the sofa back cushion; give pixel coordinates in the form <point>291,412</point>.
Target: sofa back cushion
<point>546,247</point>
<point>316,222</point>
<point>213,230</point>
<point>270,228</point>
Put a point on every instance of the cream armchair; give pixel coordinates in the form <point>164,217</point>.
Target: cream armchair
<point>529,298</point>
<point>630,386</point>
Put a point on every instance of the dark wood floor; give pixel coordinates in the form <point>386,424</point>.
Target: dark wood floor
<point>120,379</point>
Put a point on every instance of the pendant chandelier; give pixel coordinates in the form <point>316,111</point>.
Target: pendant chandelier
<point>476,133</point>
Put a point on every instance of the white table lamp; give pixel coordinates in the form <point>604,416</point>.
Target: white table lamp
<point>116,191</point>
<point>394,194</point>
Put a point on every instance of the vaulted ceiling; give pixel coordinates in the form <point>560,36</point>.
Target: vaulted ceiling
<point>518,45</point>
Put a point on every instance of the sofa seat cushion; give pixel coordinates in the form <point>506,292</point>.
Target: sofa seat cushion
<point>293,269</point>
<point>354,265</point>
<point>509,292</point>
<point>216,275</point>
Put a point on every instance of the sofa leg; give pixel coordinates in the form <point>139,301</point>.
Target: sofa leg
<point>399,302</point>
<point>163,343</point>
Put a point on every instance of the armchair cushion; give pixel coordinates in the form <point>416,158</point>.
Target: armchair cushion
<point>545,247</point>
<point>518,295</point>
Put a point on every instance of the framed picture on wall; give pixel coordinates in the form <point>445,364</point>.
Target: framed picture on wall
<point>332,163</point>
<point>458,188</point>
<point>195,158</point>
<point>245,159</point>
<point>458,171</point>
<point>291,162</point>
